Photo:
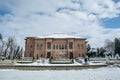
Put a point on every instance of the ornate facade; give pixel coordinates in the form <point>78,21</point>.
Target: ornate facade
<point>55,46</point>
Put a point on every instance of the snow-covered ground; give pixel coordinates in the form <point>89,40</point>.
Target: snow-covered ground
<point>105,73</point>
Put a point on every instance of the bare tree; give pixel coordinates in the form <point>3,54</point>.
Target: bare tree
<point>21,52</point>
<point>10,47</point>
<point>2,44</point>
<point>16,53</point>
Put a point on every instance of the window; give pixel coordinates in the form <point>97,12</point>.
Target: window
<point>54,46</point>
<point>48,45</point>
<point>82,46</point>
<point>71,55</point>
<point>70,45</point>
<point>63,47</point>
<point>78,46</point>
<point>39,46</point>
<point>79,55</point>
<point>57,46</point>
<point>83,55</point>
<point>31,48</point>
<point>41,55</point>
<point>37,56</point>
<point>48,54</point>
<point>30,55</point>
<point>60,47</point>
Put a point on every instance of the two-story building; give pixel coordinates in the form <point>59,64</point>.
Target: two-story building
<point>55,46</point>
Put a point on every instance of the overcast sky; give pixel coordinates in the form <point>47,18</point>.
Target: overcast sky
<point>96,20</point>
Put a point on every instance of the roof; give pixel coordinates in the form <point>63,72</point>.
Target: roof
<point>59,35</point>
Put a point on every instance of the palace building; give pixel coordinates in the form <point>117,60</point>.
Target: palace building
<point>55,46</point>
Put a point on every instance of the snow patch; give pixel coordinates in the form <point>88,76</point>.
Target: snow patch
<point>59,35</point>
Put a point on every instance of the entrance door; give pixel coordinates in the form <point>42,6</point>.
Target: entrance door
<point>71,55</point>
<point>48,54</point>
